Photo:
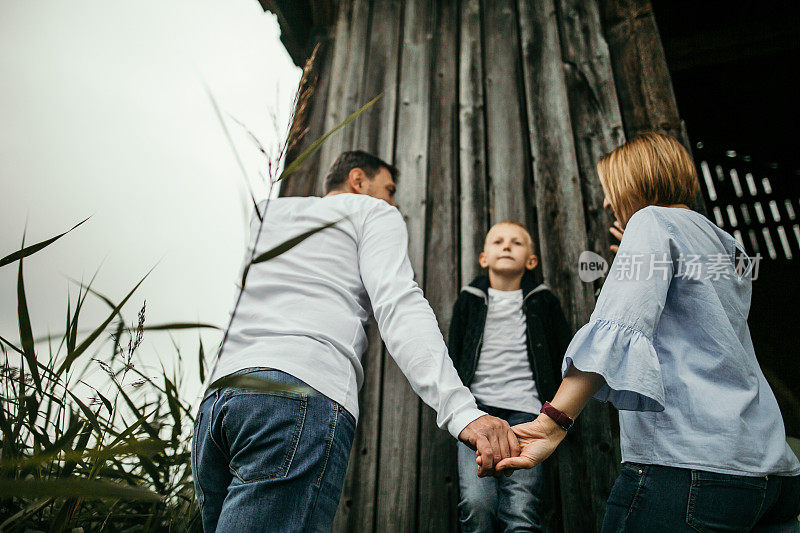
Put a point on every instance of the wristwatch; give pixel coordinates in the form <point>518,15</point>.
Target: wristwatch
<point>559,417</point>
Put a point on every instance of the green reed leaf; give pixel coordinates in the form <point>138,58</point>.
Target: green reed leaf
<point>201,360</point>
<point>71,356</point>
<point>74,487</point>
<point>25,252</point>
<point>291,243</point>
<point>316,145</point>
<point>25,331</point>
<point>253,383</point>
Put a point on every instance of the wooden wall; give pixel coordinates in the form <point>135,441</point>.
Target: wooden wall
<point>492,110</point>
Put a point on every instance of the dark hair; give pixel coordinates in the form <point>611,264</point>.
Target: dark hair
<point>347,161</point>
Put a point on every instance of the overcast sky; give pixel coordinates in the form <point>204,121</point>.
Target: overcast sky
<point>104,114</point>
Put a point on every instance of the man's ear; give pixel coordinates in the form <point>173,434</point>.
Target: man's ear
<point>532,262</point>
<point>482,261</point>
<point>356,181</point>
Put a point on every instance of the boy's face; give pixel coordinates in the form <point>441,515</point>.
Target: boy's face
<point>508,250</point>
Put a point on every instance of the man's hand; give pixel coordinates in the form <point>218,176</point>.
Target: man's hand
<point>616,230</point>
<point>493,439</point>
<point>538,439</point>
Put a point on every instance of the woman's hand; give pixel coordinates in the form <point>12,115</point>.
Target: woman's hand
<point>538,440</point>
<point>616,230</point>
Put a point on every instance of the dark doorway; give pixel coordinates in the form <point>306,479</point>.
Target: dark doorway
<point>732,66</point>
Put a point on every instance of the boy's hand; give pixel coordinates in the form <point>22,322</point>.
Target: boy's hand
<point>616,230</point>
<point>538,439</point>
<point>493,439</point>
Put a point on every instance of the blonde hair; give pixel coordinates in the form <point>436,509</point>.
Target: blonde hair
<point>650,169</point>
<point>518,225</point>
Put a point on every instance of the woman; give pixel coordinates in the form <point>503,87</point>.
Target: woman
<point>703,442</point>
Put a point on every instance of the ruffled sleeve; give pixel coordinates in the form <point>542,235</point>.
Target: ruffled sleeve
<point>625,357</point>
<point>617,343</point>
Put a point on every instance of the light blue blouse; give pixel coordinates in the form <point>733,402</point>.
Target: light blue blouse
<point>669,334</point>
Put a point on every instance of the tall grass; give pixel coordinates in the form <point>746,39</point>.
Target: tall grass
<point>108,454</point>
<point>113,454</point>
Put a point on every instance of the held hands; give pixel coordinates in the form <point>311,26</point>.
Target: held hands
<point>538,439</point>
<point>493,440</point>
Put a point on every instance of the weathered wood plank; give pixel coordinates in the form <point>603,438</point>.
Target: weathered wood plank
<point>312,121</point>
<point>508,155</point>
<point>593,107</point>
<point>397,470</point>
<point>374,133</point>
<point>562,229</point>
<point>356,510</point>
<point>597,129</point>
<point>345,94</point>
<point>375,130</point>
<point>473,209</point>
<point>438,477</point>
<point>643,81</point>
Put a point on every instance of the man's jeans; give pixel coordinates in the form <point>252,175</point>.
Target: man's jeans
<point>270,461</point>
<point>513,501</point>
<point>656,498</point>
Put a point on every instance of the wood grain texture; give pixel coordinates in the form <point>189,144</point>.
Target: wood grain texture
<point>304,181</point>
<point>473,186</point>
<point>597,129</point>
<point>643,82</point>
<point>374,131</point>
<point>438,476</point>
<point>357,506</point>
<point>345,95</point>
<point>593,108</point>
<point>398,473</point>
<point>508,154</point>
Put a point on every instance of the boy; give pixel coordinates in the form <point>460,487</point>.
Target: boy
<point>507,338</point>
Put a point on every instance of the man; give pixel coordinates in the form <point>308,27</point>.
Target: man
<point>277,461</point>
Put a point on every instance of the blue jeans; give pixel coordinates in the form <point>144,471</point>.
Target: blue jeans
<point>512,501</point>
<point>270,461</point>
<point>663,498</point>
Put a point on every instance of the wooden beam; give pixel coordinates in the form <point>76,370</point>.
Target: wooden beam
<point>508,156</point>
<point>345,95</point>
<point>308,124</point>
<point>473,187</point>
<point>374,131</point>
<point>398,474</point>
<point>593,108</point>
<point>644,86</point>
<point>597,129</point>
<point>438,475</point>
<point>357,505</point>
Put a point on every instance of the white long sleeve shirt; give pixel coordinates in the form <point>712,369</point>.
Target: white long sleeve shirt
<point>304,312</point>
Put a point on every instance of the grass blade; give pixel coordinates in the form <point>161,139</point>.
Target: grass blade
<point>248,382</point>
<point>201,360</point>
<point>25,332</point>
<point>73,487</point>
<point>25,252</point>
<point>316,145</point>
<point>71,356</point>
<point>291,243</point>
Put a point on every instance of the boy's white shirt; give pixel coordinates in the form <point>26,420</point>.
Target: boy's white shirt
<point>305,311</point>
<point>503,377</point>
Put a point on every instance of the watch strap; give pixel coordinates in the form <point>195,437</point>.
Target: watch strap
<point>559,417</point>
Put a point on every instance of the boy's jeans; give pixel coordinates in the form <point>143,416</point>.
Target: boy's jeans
<point>270,461</point>
<point>514,501</point>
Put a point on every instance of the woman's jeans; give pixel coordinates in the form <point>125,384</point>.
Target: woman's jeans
<point>663,498</point>
<point>512,501</point>
<point>270,461</point>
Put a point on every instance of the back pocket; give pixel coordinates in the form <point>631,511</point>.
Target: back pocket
<point>262,431</point>
<point>724,502</point>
